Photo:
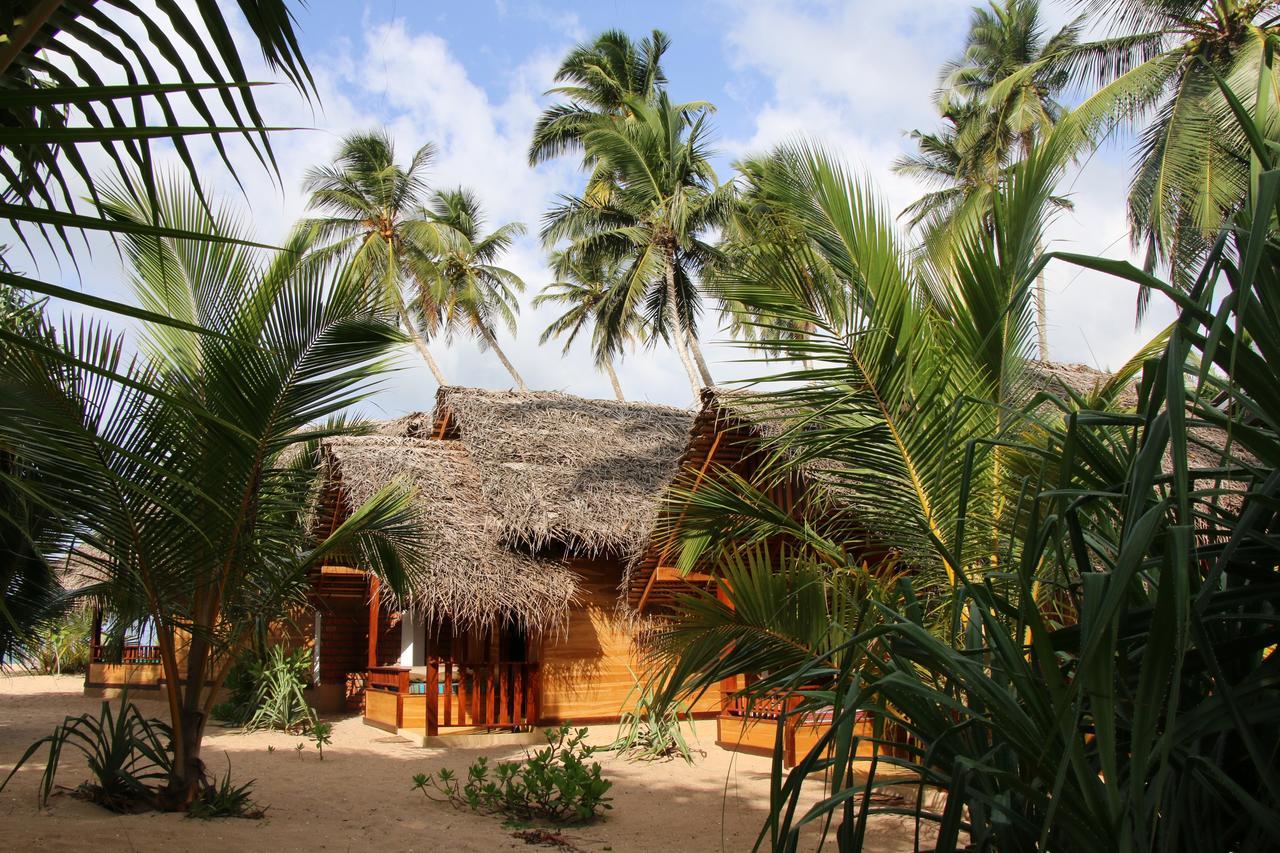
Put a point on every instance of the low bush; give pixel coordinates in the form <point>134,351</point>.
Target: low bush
<point>554,784</point>
<point>266,692</point>
<point>226,799</point>
<point>652,731</point>
<point>62,647</point>
<point>126,753</point>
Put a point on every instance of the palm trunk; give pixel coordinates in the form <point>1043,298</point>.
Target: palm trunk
<point>419,342</point>
<point>678,335</point>
<point>188,778</point>
<point>502,357</point>
<point>613,379</point>
<point>703,371</point>
<point>1042,318</point>
<point>1042,312</point>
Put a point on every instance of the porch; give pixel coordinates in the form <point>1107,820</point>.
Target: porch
<point>744,725</point>
<point>445,697</point>
<point>449,680</point>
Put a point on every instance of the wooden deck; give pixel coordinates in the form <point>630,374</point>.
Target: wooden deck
<point>752,727</point>
<point>454,696</point>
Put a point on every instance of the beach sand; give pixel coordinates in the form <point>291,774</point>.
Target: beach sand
<point>360,796</point>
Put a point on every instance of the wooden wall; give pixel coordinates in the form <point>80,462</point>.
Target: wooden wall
<point>587,669</point>
<point>584,668</point>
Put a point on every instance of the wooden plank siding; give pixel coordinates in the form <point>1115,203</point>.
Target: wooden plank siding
<point>586,672</point>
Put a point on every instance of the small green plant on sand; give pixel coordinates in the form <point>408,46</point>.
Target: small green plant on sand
<point>298,749</point>
<point>270,749</point>
<point>554,784</point>
<point>647,734</point>
<point>321,736</point>
<point>127,755</point>
<point>225,799</point>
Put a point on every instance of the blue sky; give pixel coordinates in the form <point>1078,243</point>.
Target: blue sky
<point>470,77</point>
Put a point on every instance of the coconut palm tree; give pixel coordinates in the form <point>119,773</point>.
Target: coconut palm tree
<point>190,471</point>
<point>1159,64</point>
<point>587,292</point>
<point>597,78</point>
<point>1000,97</point>
<point>959,166</point>
<point>665,201</point>
<point>908,369</point>
<point>371,210</point>
<point>470,293</point>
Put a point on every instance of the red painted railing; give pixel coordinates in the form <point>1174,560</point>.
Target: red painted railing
<point>130,653</point>
<point>494,695</point>
<point>501,694</point>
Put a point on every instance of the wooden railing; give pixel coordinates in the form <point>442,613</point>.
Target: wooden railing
<point>503,694</point>
<point>494,695</point>
<point>130,653</point>
<point>392,679</point>
<point>760,707</point>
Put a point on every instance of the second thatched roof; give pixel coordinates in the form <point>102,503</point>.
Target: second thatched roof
<point>465,574</point>
<point>555,468</point>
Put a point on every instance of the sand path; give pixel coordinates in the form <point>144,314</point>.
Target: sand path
<point>360,798</point>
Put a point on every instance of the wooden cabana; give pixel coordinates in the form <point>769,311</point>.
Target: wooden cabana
<point>532,504</point>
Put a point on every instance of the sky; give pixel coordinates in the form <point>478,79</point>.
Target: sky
<point>471,79</point>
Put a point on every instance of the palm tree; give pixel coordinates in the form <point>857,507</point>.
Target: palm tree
<point>191,470</point>
<point>470,292</point>
<point>372,217</point>
<point>665,199</point>
<point>909,369</point>
<point>960,167</point>
<point>1162,60</point>
<point>1000,97</point>
<point>588,291</point>
<point>106,107</point>
<point>598,78</point>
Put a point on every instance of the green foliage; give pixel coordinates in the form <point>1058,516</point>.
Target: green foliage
<point>225,799</point>
<point>109,106</point>
<point>62,646</point>
<point>127,754</point>
<point>652,730</point>
<point>278,700</point>
<point>210,441</point>
<point>321,736</point>
<point>1109,676</point>
<point>553,784</point>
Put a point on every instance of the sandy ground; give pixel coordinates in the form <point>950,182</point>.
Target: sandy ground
<point>360,797</point>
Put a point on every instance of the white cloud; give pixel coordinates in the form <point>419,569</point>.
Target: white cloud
<point>856,75</point>
<point>852,75</point>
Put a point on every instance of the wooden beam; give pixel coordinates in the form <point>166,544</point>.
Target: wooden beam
<point>374,607</point>
<point>671,573</point>
<point>697,481</point>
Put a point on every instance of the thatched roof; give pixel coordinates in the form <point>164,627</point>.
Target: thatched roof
<point>748,419</point>
<point>466,574</point>
<point>555,468</point>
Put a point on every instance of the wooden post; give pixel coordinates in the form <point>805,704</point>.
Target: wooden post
<point>95,637</point>
<point>433,698</point>
<point>374,606</point>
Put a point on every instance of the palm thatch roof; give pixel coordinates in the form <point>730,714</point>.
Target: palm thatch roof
<point>466,575</point>
<point>555,468</point>
<point>732,425</point>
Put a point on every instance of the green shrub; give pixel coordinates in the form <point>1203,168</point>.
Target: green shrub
<point>62,647</point>
<point>225,800</point>
<point>321,736</point>
<point>554,784</point>
<point>653,731</point>
<point>266,692</point>
<point>126,753</point>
